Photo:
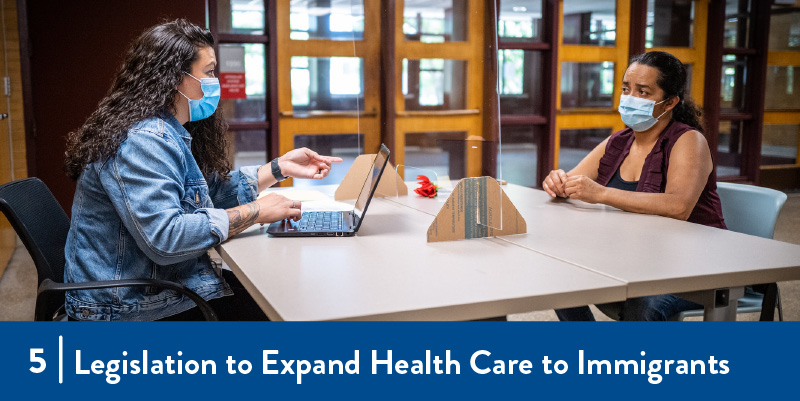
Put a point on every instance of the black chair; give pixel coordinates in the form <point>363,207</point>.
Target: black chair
<point>42,225</point>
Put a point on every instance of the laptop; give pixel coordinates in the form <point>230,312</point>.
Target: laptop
<point>339,223</point>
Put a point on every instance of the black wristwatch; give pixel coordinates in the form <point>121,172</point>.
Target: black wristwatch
<point>276,170</point>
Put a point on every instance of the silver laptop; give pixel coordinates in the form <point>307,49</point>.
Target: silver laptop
<point>339,223</point>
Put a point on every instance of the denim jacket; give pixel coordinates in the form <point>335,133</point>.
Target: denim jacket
<point>148,212</point>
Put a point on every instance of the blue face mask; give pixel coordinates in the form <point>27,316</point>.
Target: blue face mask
<point>205,107</point>
<point>637,113</point>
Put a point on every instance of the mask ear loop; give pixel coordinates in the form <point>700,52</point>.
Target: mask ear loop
<point>666,111</point>
<point>187,97</point>
<point>188,104</point>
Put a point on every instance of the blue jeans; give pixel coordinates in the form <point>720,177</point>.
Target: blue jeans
<point>652,308</point>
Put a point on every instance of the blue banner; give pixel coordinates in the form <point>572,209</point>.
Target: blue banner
<point>371,360</point>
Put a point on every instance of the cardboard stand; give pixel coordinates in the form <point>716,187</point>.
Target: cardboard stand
<point>473,210</point>
<point>391,184</point>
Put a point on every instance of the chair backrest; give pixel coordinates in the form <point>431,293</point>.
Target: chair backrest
<point>749,209</point>
<point>40,222</point>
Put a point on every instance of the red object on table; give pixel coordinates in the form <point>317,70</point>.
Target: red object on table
<point>426,188</point>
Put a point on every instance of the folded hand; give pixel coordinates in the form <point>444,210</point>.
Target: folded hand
<point>583,188</point>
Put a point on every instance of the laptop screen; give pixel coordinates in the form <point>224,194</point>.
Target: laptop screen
<point>371,182</point>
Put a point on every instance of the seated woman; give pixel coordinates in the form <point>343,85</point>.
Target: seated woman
<point>154,184</point>
<point>661,164</point>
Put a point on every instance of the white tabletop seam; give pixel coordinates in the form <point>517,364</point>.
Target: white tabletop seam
<point>566,261</point>
<point>389,198</point>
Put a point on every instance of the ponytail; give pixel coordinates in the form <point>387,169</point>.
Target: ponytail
<point>688,113</point>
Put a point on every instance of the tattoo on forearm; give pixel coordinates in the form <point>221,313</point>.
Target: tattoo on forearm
<point>241,217</point>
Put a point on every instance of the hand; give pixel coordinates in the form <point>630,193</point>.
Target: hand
<point>268,209</point>
<point>585,189</point>
<point>305,163</point>
<point>554,183</point>
<point>275,207</point>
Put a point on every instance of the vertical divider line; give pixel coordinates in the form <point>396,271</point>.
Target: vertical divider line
<point>60,359</point>
<point>363,90</point>
<point>498,90</point>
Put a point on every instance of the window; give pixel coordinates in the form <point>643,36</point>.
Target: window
<point>520,21</point>
<point>779,144</point>
<point>783,88</point>
<point>577,143</point>
<point>248,147</point>
<point>347,71</point>
<point>440,152</point>
<point>737,23</point>
<point>587,85</point>
<point>327,83</point>
<point>784,29</point>
<point>431,82</point>
<point>520,76</point>
<point>243,17</point>
<point>435,21</point>
<point>511,70</point>
<point>670,23</point>
<point>729,148</point>
<point>434,84</point>
<point>253,105</point>
<point>734,81</point>
<point>521,152</point>
<point>590,22</point>
<point>329,20</point>
<point>240,26</point>
<point>301,82</point>
<point>524,74</point>
<point>346,146</point>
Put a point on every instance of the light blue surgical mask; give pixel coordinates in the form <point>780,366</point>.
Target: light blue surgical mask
<point>637,113</point>
<point>205,107</point>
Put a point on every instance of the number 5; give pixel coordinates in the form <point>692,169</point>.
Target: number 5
<point>37,359</point>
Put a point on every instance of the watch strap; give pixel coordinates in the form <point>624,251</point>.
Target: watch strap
<point>276,170</point>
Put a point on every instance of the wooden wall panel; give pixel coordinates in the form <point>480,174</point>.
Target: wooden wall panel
<point>12,130</point>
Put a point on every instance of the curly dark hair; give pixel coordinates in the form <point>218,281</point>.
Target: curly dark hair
<point>144,87</point>
<point>672,79</point>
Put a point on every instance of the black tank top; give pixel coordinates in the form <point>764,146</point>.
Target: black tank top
<point>618,183</point>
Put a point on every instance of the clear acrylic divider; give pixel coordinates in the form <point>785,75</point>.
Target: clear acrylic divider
<point>495,156</point>
<point>487,190</point>
<point>452,157</point>
<point>471,156</point>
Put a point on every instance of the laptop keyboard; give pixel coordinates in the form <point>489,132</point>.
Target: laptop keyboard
<point>320,221</point>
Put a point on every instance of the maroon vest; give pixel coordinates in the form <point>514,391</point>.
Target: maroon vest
<point>707,211</point>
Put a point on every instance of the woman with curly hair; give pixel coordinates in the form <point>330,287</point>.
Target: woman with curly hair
<point>661,164</point>
<point>155,190</point>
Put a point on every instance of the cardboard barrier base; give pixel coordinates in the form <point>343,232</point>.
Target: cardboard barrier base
<point>477,208</point>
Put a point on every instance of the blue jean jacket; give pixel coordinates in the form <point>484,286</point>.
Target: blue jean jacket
<point>148,212</point>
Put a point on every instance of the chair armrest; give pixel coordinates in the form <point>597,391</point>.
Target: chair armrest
<point>51,286</point>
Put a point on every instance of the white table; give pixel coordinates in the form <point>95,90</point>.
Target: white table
<point>573,254</point>
<point>389,272</point>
